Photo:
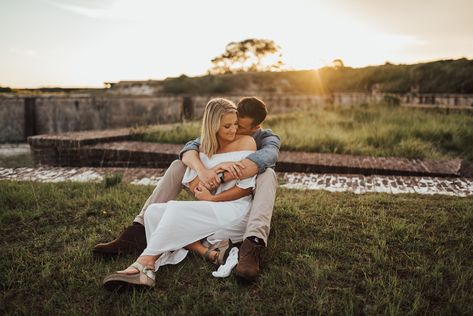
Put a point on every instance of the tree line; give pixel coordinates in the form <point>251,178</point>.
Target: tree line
<point>443,76</point>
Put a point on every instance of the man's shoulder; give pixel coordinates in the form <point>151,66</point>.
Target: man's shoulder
<point>265,132</point>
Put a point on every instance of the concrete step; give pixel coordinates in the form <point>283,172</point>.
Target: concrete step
<point>113,148</point>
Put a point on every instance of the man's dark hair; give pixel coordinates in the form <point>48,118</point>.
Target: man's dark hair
<point>253,108</point>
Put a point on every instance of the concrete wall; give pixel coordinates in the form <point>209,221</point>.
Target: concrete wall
<point>64,113</point>
<point>78,112</point>
<point>447,100</point>
<point>276,103</point>
<point>12,119</point>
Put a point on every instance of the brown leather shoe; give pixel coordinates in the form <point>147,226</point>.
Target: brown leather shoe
<point>131,240</point>
<point>249,261</point>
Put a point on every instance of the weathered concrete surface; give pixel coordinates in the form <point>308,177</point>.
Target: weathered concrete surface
<point>357,184</point>
<point>79,112</point>
<point>112,148</point>
<point>366,165</point>
<point>12,119</point>
<point>58,174</point>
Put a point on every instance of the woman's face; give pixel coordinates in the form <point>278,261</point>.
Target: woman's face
<point>228,127</point>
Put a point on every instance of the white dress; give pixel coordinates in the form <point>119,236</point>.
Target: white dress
<point>171,226</point>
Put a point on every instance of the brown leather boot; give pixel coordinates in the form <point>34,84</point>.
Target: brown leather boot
<point>131,240</point>
<point>249,261</point>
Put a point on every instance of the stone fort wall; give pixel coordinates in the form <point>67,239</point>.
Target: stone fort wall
<point>22,116</point>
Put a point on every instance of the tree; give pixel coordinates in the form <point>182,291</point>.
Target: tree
<point>248,55</point>
<point>338,63</point>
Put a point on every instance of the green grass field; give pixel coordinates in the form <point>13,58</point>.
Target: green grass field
<point>329,253</point>
<point>374,130</point>
<point>22,160</point>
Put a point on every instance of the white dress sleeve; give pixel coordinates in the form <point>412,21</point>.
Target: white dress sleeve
<point>190,175</point>
<point>247,183</point>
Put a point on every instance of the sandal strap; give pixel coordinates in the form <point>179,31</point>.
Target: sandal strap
<point>224,251</point>
<point>149,272</point>
<point>207,254</point>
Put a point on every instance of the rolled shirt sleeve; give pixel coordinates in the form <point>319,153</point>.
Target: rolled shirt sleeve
<point>268,151</point>
<point>190,145</point>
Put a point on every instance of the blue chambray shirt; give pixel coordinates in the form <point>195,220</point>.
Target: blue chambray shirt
<point>267,144</point>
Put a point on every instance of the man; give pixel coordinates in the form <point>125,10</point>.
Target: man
<point>251,112</point>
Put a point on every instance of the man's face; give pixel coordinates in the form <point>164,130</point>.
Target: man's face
<point>245,126</point>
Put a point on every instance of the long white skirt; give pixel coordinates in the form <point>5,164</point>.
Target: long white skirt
<point>171,226</point>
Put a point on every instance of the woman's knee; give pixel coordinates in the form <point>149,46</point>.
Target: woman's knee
<point>153,210</point>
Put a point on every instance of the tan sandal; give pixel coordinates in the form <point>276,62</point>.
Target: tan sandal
<point>222,248</point>
<point>145,277</point>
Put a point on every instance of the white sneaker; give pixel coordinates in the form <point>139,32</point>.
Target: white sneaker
<point>224,270</point>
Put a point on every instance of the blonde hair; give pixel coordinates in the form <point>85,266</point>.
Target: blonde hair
<point>214,110</point>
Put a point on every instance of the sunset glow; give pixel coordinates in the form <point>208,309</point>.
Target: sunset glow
<point>85,43</point>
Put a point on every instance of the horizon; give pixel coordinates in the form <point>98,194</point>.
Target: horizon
<point>202,75</point>
<point>83,44</point>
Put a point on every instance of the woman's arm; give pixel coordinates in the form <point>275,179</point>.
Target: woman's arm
<point>192,160</point>
<point>194,183</point>
<point>202,194</point>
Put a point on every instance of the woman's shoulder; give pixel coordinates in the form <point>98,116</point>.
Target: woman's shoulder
<point>244,142</point>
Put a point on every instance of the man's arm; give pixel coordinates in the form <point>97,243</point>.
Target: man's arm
<point>267,155</point>
<point>259,161</point>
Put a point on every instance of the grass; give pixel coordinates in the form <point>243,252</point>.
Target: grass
<point>22,160</point>
<point>329,253</point>
<point>373,130</point>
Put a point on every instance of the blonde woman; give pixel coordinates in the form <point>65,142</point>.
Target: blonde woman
<point>175,227</point>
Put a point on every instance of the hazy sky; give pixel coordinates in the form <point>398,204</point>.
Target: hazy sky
<point>88,42</point>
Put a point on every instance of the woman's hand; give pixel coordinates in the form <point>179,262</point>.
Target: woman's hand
<point>202,193</point>
<point>232,167</point>
<point>209,178</point>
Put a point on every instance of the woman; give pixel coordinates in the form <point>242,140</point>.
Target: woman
<point>175,227</point>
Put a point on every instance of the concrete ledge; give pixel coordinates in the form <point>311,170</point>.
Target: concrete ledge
<point>113,148</point>
<point>78,139</point>
<point>366,165</point>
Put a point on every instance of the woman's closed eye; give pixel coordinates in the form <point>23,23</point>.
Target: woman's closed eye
<point>227,126</point>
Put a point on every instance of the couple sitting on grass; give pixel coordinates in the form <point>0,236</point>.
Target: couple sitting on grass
<point>233,159</point>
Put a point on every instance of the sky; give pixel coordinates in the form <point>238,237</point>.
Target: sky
<point>84,43</point>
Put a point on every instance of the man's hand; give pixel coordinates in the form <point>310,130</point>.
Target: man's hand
<point>249,169</point>
<point>233,168</point>
<point>209,178</point>
<point>202,193</point>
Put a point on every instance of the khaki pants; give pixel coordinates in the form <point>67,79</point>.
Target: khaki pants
<point>261,211</point>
